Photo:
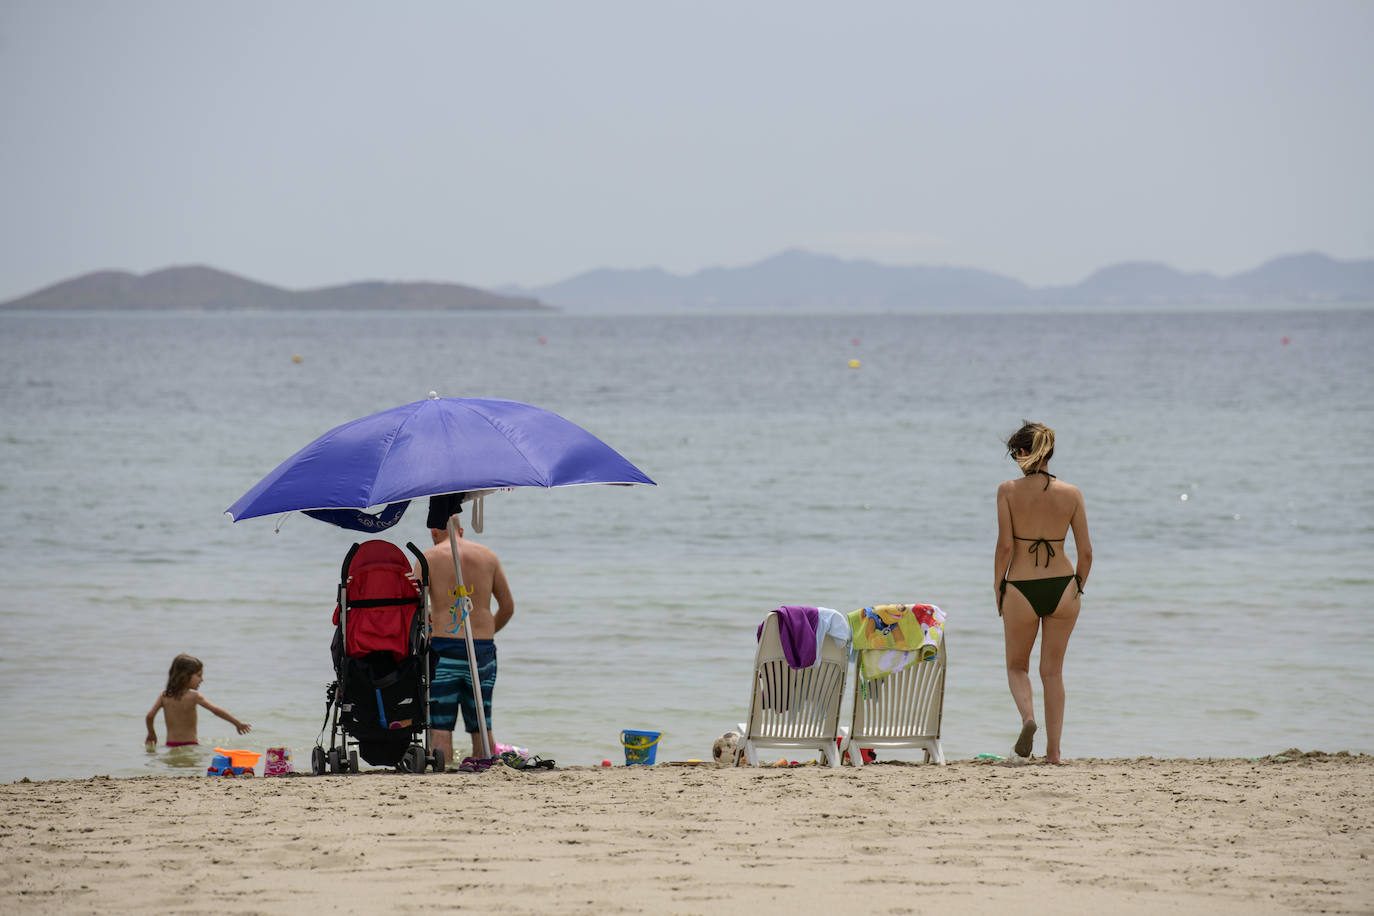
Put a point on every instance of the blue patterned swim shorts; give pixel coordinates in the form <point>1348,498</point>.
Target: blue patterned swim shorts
<point>451,688</point>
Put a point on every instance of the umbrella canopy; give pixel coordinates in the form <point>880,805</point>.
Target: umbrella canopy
<point>435,446</point>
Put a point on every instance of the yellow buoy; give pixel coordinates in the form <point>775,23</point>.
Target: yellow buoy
<point>854,364</point>
<point>296,358</point>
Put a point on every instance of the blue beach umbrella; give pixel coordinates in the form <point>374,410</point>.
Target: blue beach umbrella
<point>431,448</point>
<point>428,448</point>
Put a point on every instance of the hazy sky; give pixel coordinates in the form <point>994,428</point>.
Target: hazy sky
<point>312,143</point>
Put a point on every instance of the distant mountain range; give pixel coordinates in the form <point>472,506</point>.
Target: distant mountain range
<point>208,288</point>
<point>793,281</point>
<point>800,281</point>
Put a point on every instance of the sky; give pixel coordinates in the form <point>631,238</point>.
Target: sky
<point>307,143</point>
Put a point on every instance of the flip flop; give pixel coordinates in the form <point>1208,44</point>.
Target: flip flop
<point>1025,741</point>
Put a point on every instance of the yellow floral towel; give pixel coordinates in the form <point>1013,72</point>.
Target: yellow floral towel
<point>889,637</point>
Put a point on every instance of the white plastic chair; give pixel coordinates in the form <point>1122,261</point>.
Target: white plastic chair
<point>794,708</point>
<point>901,710</point>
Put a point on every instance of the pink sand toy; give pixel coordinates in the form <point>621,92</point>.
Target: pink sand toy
<point>278,762</point>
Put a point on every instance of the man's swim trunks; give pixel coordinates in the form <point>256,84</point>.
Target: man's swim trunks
<point>451,687</point>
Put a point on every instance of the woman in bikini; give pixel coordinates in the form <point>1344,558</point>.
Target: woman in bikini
<point>1038,590</point>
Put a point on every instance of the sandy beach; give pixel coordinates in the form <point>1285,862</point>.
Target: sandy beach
<point>1121,835</point>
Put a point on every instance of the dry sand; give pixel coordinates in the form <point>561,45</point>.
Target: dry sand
<point>1094,836</point>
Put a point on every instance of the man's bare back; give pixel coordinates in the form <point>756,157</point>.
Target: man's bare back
<point>484,579</point>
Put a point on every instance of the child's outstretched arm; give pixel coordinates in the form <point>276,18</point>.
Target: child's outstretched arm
<point>150,719</point>
<point>243,727</point>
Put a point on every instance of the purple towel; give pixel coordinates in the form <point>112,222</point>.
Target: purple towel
<point>797,630</point>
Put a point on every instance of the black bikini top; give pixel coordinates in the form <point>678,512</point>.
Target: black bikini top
<point>1037,544</point>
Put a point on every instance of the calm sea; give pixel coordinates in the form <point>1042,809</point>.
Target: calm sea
<point>1225,458</point>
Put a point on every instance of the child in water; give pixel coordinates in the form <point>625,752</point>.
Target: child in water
<point>179,701</point>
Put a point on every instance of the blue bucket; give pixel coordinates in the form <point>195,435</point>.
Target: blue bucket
<point>640,747</point>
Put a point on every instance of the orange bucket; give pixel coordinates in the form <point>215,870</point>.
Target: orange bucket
<point>247,759</point>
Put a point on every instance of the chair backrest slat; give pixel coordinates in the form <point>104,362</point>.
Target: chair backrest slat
<point>795,705</point>
<point>906,704</point>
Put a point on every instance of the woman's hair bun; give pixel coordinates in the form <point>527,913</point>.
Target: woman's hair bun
<point>1036,440</point>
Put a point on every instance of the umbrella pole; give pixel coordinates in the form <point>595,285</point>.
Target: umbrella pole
<point>475,677</point>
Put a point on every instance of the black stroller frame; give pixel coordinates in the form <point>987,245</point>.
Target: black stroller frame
<point>345,734</point>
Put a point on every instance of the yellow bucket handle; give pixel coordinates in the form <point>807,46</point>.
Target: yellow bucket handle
<point>640,747</point>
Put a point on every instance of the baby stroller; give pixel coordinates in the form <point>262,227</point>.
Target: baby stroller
<point>380,698</point>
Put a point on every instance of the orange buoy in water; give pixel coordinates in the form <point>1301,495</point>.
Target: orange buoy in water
<point>1284,341</point>
<point>296,358</point>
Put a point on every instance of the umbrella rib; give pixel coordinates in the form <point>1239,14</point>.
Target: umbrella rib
<point>521,452</point>
<point>395,434</point>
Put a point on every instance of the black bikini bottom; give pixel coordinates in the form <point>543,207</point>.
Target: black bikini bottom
<point>1043,595</point>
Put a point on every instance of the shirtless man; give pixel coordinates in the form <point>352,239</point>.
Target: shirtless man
<point>484,579</point>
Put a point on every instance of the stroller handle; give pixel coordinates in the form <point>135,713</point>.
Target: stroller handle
<point>348,558</point>
<point>424,566</point>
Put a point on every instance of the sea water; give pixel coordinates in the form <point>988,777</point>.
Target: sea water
<point>1225,459</point>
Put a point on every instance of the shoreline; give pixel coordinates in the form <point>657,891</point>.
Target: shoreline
<point>1278,833</point>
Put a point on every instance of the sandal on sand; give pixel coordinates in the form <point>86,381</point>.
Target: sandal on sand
<point>538,763</point>
<point>472,765</point>
<point>1024,741</point>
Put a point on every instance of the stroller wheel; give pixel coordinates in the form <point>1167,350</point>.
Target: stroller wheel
<point>414,760</point>
<point>437,760</point>
<point>334,760</point>
<point>317,761</point>
<point>352,761</point>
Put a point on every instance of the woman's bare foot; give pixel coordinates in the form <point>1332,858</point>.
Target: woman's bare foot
<point>1025,740</point>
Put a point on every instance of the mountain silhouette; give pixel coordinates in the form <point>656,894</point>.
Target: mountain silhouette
<point>200,287</point>
<point>801,281</point>
<point>791,281</point>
